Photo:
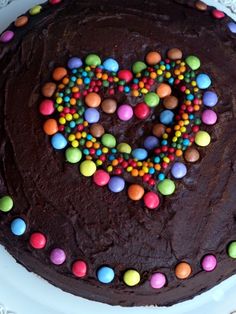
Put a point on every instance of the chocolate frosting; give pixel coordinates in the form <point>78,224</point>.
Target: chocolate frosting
<point>92,223</point>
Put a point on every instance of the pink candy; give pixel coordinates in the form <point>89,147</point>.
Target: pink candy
<point>101,177</point>
<point>158,280</point>
<point>125,75</point>
<point>209,117</point>
<point>6,36</point>
<point>125,112</point>
<point>209,262</point>
<point>218,14</point>
<point>46,107</point>
<point>151,200</point>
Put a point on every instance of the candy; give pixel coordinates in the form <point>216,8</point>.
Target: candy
<point>74,63</point>
<point>201,6</point>
<point>153,58</point>
<point>58,141</point>
<point>142,111</point>
<point>167,117</point>
<point>18,226</point>
<point>209,262</point>
<point>116,184</point>
<point>209,117</point>
<point>21,21</point>
<point>232,249</point>
<point>138,67</point>
<point>174,54</point>
<point>183,270</point>
<point>59,73</point>
<point>97,130</point>
<point>170,102</point>
<point>6,36</point>
<point>151,99</point>
<point>88,168</point>
<point>135,192</point>
<point>157,280</point>
<point>124,148</point>
<point>105,274</point>
<point>57,256</point>
<point>6,203</point>
<point>210,99</point>
<point>46,107</point>
<point>166,187</point>
<point>178,170</point>
<point>101,177</point>
<point>131,277</point>
<point>125,75</point>
<point>140,153</point>
<point>79,268</point>
<point>163,90</point>
<point>109,105</point>
<point>158,129</point>
<point>108,140</point>
<point>93,100</point>
<point>93,60</point>
<point>111,65</point>
<point>151,142</point>
<point>50,127</point>
<point>35,10</point>
<point>37,240</point>
<point>191,154</point>
<point>202,138</point>
<point>218,14</point>
<point>125,112</point>
<point>193,62</point>
<point>151,200</point>
<point>203,81</point>
<point>73,155</point>
<point>48,89</point>
<point>92,115</point>
<point>232,27</point>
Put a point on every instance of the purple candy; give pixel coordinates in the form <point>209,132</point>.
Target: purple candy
<point>57,256</point>
<point>209,262</point>
<point>158,280</point>
<point>151,142</point>
<point>232,27</point>
<point>178,170</point>
<point>6,36</point>
<point>210,99</point>
<point>74,63</point>
<point>209,117</point>
<point>125,112</point>
<point>92,115</point>
<point>116,184</point>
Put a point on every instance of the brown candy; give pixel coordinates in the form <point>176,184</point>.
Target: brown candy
<point>191,154</point>
<point>158,129</point>
<point>109,105</point>
<point>153,57</point>
<point>21,21</point>
<point>97,130</point>
<point>170,102</point>
<point>48,89</point>
<point>174,54</point>
<point>201,6</point>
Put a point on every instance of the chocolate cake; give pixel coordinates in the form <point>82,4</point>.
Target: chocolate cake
<point>117,171</point>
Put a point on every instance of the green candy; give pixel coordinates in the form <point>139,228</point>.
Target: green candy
<point>35,10</point>
<point>202,138</point>
<point>151,99</point>
<point>93,60</point>
<point>87,168</point>
<point>6,203</point>
<point>193,62</point>
<point>124,148</point>
<point>232,249</point>
<point>108,140</point>
<point>166,187</point>
<point>138,67</point>
<point>73,155</point>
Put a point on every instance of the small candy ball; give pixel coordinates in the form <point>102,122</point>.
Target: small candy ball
<point>157,280</point>
<point>166,187</point>
<point>73,155</point>
<point>166,117</point>
<point>170,102</point>
<point>232,27</point>
<point>74,63</point>
<point>57,256</point>
<point>79,268</point>
<point>163,90</point>
<point>209,262</point>
<point>92,100</point>
<point>131,277</point>
<point>203,81</point>
<point>202,138</point>
<point>109,105</point>
<point>18,226</point>
<point>193,62</point>
<point>111,65</point>
<point>153,57</point>
<point>35,10</point>
<point>6,203</point>
<point>50,127</point>
<point>108,140</point>
<point>21,21</point>
<point>151,142</point>
<point>59,73</point>
<point>209,117</point>
<point>151,200</point>
<point>97,130</point>
<point>93,60</point>
<point>158,129</point>
<point>37,240</point>
<point>125,112</point>
<point>135,192</point>
<point>151,99</point>
<point>174,54</point>
<point>46,107</point>
<point>210,99</point>
<point>58,141</point>
<point>105,274</point>
<point>101,177</point>
<point>201,6</point>
<point>138,67</point>
<point>139,153</point>
<point>124,148</point>
<point>178,170</point>
<point>191,154</point>
<point>48,89</point>
<point>183,270</point>
<point>88,168</point>
<point>125,75</point>
<point>142,111</point>
<point>116,184</point>
<point>91,115</point>
<point>6,36</point>
<point>232,249</point>
<point>218,14</point>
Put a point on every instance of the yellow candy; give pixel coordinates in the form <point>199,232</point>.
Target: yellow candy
<point>71,137</point>
<point>87,168</point>
<point>75,143</point>
<point>124,148</point>
<point>35,10</point>
<point>202,138</point>
<point>62,120</point>
<point>129,169</point>
<point>131,277</point>
<point>109,168</point>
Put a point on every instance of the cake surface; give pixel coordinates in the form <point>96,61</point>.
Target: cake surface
<point>64,216</point>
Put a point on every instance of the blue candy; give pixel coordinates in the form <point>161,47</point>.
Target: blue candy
<point>116,184</point>
<point>178,170</point>
<point>18,226</point>
<point>140,153</point>
<point>105,274</point>
<point>111,65</point>
<point>203,81</point>
<point>74,63</point>
<point>92,115</point>
<point>210,99</point>
<point>58,141</point>
<point>232,27</point>
<point>151,142</point>
<point>166,117</point>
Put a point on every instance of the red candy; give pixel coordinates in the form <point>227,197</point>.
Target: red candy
<point>125,75</point>
<point>54,1</point>
<point>79,269</point>
<point>37,240</point>
<point>218,14</point>
<point>101,177</point>
<point>151,200</point>
<point>46,107</point>
<point>141,111</point>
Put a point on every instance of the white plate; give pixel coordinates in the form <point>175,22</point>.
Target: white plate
<point>22,292</point>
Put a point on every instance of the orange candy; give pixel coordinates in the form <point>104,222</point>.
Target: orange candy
<point>21,21</point>
<point>93,100</point>
<point>174,54</point>
<point>153,57</point>
<point>163,90</point>
<point>50,127</point>
<point>59,73</point>
<point>48,89</point>
<point>135,192</point>
<point>183,270</point>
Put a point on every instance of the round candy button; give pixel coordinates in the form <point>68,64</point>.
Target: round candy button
<point>88,168</point>
<point>101,177</point>
<point>166,117</point>
<point>74,63</point>
<point>73,155</point>
<point>151,99</point>
<point>92,115</point>
<point>6,36</point>
<point>166,187</point>
<point>183,270</point>
<point>141,111</point>
<point>193,62</point>
<point>202,138</point>
<point>210,99</point>
<point>58,141</point>
<point>111,65</point>
<point>209,262</point>
<point>131,277</point>
<point>124,148</point>
<point>50,127</point>
<point>178,170</point>
<point>93,100</point>
<point>79,268</point>
<point>232,249</point>
<point>203,81</point>
<point>38,240</point>
<point>125,112</point>
<point>151,200</point>
<point>209,117</point>
<point>135,192</point>
<point>116,184</point>
<point>6,203</point>
<point>151,142</point>
<point>108,140</point>
<point>153,57</point>
<point>157,280</point>
<point>57,256</point>
<point>46,107</point>
<point>105,274</point>
<point>18,226</point>
<point>93,60</point>
<point>140,153</point>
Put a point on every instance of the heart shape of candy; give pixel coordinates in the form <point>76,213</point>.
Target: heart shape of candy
<point>169,91</point>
